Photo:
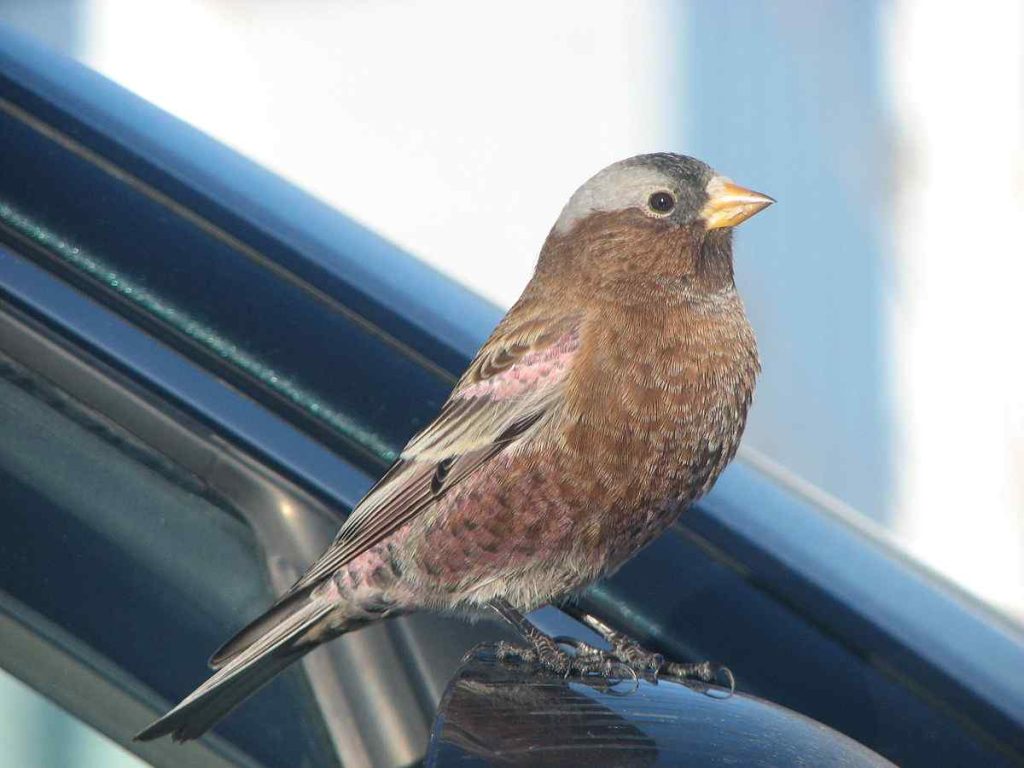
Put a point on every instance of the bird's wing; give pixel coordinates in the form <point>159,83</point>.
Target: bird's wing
<point>515,380</point>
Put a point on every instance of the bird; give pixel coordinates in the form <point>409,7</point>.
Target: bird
<point>610,396</point>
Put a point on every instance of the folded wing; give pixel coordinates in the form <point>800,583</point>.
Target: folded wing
<point>514,383</point>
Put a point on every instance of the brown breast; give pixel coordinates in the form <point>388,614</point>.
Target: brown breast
<point>655,411</point>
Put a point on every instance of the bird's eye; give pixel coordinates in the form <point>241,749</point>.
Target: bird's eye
<point>661,202</point>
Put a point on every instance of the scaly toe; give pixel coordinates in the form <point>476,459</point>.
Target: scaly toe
<point>508,652</point>
<point>557,661</point>
<point>642,660</point>
<point>704,672</point>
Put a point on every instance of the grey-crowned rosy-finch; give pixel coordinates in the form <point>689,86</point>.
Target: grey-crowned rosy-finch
<point>609,397</point>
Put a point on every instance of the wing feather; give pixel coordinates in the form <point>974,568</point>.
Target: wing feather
<point>507,390</point>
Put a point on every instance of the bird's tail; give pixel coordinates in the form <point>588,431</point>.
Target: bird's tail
<point>285,641</point>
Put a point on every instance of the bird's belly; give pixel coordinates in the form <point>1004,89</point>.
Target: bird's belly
<point>532,528</point>
<point>514,517</point>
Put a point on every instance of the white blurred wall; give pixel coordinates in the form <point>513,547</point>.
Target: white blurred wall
<point>457,129</point>
<point>955,74</point>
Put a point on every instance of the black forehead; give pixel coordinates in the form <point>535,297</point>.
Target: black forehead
<point>687,170</point>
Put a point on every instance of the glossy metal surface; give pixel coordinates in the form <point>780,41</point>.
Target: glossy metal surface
<point>499,715</point>
<point>806,609</point>
<point>809,612</point>
<point>162,555</point>
<point>107,554</point>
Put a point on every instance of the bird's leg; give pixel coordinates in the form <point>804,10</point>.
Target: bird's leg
<point>588,660</point>
<point>629,652</point>
<point>544,648</point>
<point>624,648</point>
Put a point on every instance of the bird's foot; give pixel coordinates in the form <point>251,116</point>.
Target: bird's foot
<point>649,664</point>
<point>703,672</point>
<point>543,650</point>
<point>626,660</point>
<point>550,654</point>
<point>634,655</point>
<point>630,652</point>
<point>583,660</point>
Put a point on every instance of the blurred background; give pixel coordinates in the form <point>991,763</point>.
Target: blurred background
<point>883,286</point>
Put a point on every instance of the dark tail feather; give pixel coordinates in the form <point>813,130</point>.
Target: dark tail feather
<point>259,626</point>
<point>247,671</point>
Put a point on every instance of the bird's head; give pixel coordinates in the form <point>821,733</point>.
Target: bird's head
<point>658,220</point>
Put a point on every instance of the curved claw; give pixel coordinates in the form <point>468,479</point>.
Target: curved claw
<point>729,678</point>
<point>632,673</point>
<point>579,646</point>
<point>572,642</point>
<point>705,672</point>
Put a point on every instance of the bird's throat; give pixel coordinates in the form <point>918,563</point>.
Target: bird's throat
<point>713,267</point>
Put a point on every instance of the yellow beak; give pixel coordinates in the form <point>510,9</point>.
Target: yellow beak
<point>729,203</point>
